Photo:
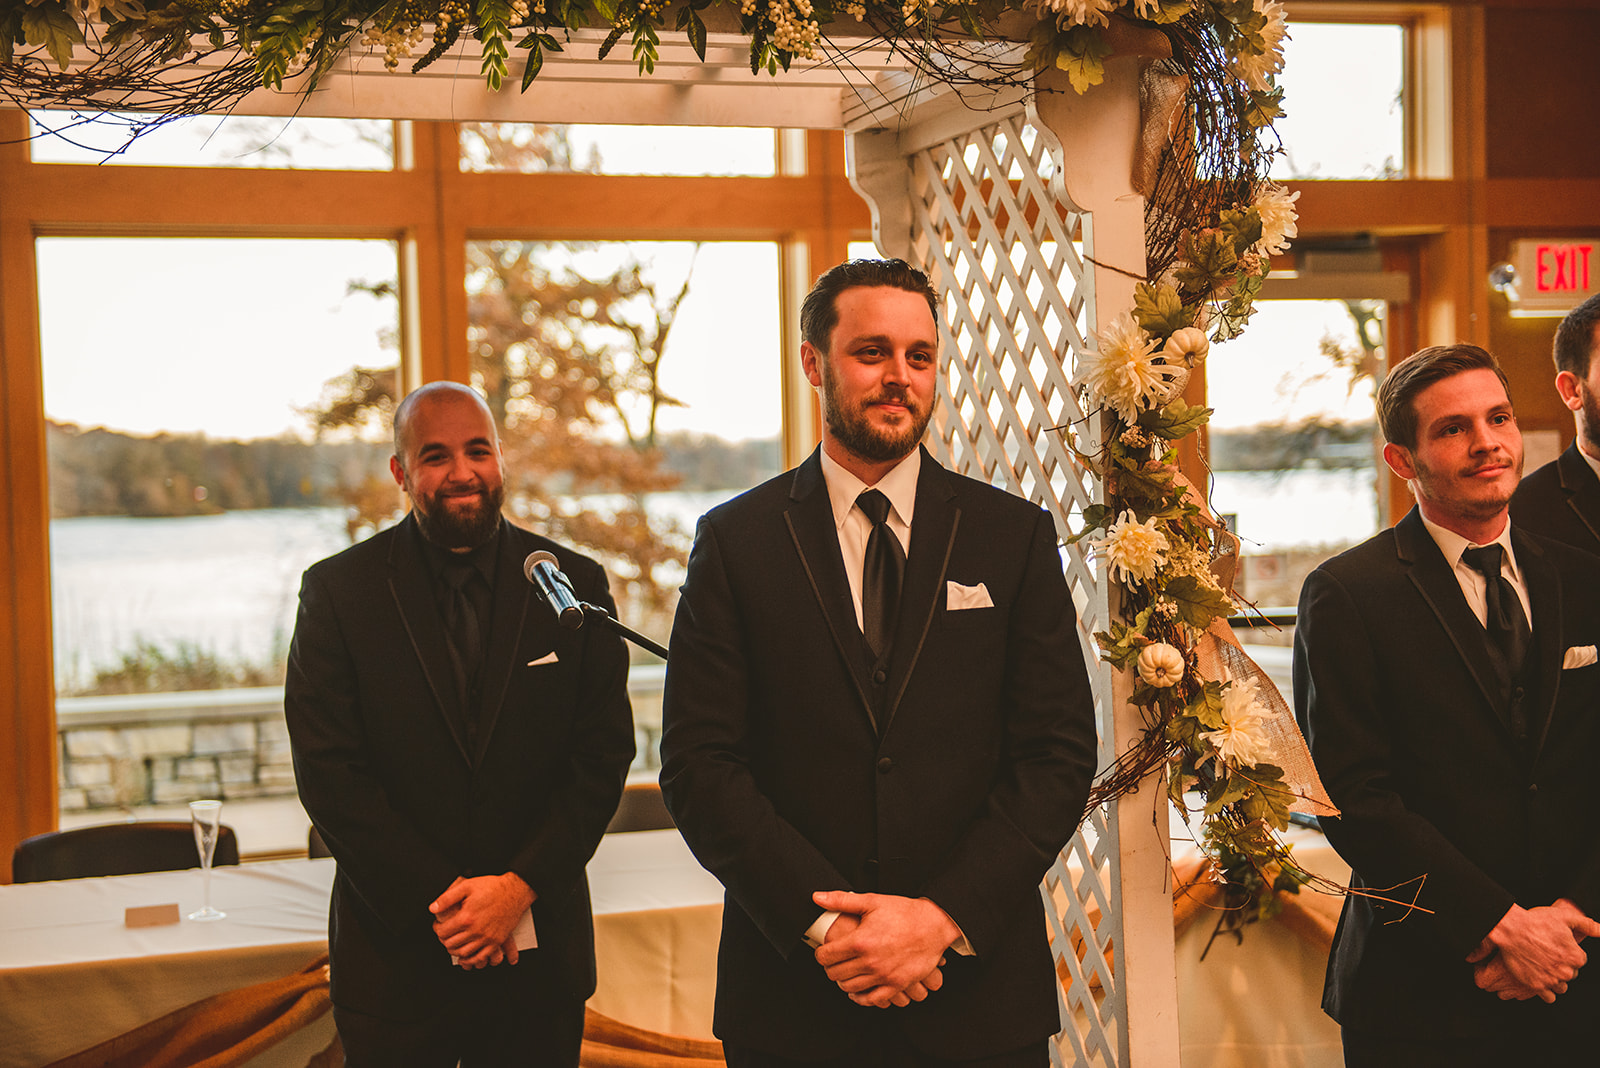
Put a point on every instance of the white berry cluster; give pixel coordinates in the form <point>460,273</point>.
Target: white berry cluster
<point>794,29</point>
<point>857,10</point>
<point>397,41</point>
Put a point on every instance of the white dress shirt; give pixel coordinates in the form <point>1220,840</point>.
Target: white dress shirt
<point>852,524</point>
<point>1473,583</point>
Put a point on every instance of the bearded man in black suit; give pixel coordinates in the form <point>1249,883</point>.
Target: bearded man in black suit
<point>1445,677</point>
<point>1562,499</point>
<point>461,754</point>
<point>878,729</point>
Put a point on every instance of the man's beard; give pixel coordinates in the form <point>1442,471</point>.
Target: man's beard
<point>851,428</point>
<point>459,528</point>
<point>1589,419</point>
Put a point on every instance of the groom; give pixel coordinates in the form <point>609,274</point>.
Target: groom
<point>878,726</point>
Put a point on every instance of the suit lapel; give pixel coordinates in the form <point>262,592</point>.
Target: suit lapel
<point>1544,597</point>
<point>816,540</point>
<point>1437,583</point>
<point>408,584</point>
<point>933,535</point>
<point>512,595</point>
<point>1583,489</point>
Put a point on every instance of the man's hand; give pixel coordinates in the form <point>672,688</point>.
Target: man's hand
<point>474,918</point>
<point>884,950</point>
<point>1533,952</point>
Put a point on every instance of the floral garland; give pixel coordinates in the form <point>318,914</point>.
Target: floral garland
<point>132,44</point>
<point>1174,561</point>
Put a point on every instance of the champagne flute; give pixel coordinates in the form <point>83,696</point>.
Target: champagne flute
<point>207,819</point>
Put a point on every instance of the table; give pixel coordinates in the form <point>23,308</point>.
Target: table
<point>71,975</point>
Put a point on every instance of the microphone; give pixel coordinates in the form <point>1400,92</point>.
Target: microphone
<point>544,571</point>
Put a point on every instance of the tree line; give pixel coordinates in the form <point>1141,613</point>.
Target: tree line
<point>96,471</point>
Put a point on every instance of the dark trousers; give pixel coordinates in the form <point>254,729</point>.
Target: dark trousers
<point>1524,1046</point>
<point>472,1031</point>
<point>887,1047</point>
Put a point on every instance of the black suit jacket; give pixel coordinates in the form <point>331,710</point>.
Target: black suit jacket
<point>1412,737</point>
<point>406,806</point>
<point>792,763</point>
<point>1561,500</point>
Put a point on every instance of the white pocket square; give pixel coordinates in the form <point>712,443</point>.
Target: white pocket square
<point>959,597</point>
<point>1579,656</point>
<point>547,658</point>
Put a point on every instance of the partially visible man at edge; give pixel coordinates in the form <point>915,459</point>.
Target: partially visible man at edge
<point>1445,677</point>
<point>461,754</point>
<point>1562,499</point>
<point>878,729</point>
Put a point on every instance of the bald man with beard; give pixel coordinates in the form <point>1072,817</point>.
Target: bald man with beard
<point>461,754</point>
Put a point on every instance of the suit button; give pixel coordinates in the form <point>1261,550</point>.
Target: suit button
<point>1533,787</point>
<point>880,676</point>
<point>885,765</point>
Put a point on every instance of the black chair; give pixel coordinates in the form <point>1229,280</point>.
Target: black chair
<point>115,849</point>
<point>641,809</point>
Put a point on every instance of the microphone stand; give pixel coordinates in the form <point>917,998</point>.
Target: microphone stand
<point>596,612</point>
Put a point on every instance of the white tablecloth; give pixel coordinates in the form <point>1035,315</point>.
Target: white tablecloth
<point>72,975</point>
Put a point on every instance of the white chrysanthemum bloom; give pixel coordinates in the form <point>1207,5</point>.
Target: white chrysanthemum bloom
<point>1254,68</point>
<point>1275,205</point>
<point>1133,549</point>
<point>1242,739</point>
<point>1160,665</point>
<point>1080,12</point>
<point>1123,371</point>
<point>1188,345</point>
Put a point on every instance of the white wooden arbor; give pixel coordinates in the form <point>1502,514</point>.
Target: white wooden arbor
<point>1018,204</point>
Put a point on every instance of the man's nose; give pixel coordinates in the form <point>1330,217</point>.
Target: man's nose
<point>897,368</point>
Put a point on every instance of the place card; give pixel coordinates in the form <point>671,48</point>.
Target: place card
<point>150,915</point>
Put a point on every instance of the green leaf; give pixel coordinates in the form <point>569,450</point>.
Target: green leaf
<point>1227,789</point>
<point>535,64</point>
<point>1178,419</point>
<point>1159,310</point>
<point>1043,47</point>
<point>1263,109</point>
<point>1168,11</point>
<point>1082,55</point>
<point>606,9</point>
<point>697,35</point>
<point>1120,646</point>
<point>1269,799</point>
<point>1210,262</point>
<point>1095,517</point>
<point>1197,604</point>
<point>1206,706</point>
<point>50,24</point>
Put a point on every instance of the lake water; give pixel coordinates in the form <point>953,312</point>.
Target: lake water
<point>228,584</point>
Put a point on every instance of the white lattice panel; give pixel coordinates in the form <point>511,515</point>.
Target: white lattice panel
<point>1009,261</point>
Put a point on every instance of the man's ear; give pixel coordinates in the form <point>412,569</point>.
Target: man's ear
<point>397,471</point>
<point>1567,386</point>
<point>811,363</point>
<point>1398,457</point>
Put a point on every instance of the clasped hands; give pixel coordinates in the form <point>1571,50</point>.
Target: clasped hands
<point>1533,953</point>
<point>884,950</point>
<point>474,918</point>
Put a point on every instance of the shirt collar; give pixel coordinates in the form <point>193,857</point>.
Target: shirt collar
<point>899,485</point>
<point>1453,545</point>
<point>1594,465</point>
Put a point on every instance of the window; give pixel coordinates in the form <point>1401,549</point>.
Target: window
<point>680,150</point>
<point>1345,101</point>
<point>189,491</point>
<point>213,141</point>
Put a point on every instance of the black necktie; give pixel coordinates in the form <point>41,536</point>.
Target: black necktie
<point>463,627</point>
<point>1504,620</point>
<point>881,574</point>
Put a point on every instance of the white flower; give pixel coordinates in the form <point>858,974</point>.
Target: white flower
<point>1134,549</point>
<point>1187,345</point>
<point>1242,738</point>
<point>1275,205</point>
<point>1123,371</point>
<point>1254,68</point>
<point>1080,12</point>
<point>1160,665</point>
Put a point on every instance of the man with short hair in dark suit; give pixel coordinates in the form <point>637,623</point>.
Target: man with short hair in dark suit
<point>461,754</point>
<point>1562,499</point>
<point>1445,677</point>
<point>878,728</point>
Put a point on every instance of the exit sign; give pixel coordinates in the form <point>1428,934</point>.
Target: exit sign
<point>1554,275</point>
